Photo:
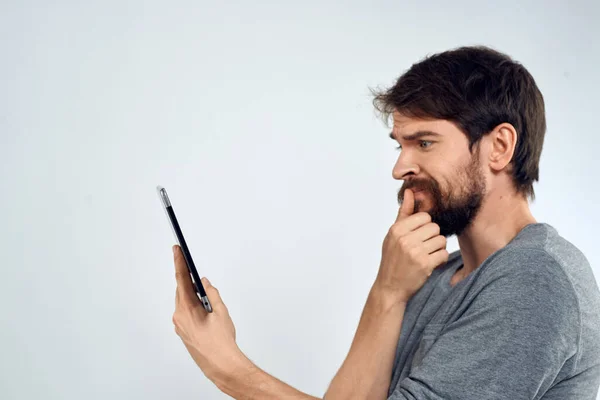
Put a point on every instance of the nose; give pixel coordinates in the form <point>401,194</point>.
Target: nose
<point>404,167</point>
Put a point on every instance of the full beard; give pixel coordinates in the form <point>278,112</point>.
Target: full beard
<point>453,213</point>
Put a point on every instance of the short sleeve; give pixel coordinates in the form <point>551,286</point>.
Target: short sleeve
<point>511,342</point>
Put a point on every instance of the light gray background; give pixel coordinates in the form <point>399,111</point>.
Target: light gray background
<point>257,118</point>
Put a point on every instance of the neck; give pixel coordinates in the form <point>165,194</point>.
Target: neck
<point>500,218</point>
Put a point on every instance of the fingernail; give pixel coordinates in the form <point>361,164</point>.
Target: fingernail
<point>206,281</point>
<point>174,249</point>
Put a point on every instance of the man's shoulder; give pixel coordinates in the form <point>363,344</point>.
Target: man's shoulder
<point>540,265</point>
<point>539,249</point>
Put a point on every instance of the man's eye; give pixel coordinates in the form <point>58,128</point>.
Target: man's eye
<point>425,144</point>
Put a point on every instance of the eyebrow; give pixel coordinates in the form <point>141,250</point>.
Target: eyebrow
<point>416,135</point>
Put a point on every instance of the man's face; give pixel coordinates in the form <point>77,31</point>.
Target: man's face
<point>436,163</point>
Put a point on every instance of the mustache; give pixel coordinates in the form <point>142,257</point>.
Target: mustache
<point>413,184</point>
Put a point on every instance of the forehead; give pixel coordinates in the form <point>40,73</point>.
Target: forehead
<point>404,125</point>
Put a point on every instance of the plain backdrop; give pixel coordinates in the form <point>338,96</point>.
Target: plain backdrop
<point>257,118</point>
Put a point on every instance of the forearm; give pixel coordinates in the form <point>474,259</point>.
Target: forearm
<point>249,382</point>
<point>366,372</point>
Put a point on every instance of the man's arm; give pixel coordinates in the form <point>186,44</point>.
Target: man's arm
<point>365,374</point>
<point>248,382</point>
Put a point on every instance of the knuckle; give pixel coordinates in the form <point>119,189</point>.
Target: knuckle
<point>391,230</point>
<point>403,242</point>
<point>414,253</point>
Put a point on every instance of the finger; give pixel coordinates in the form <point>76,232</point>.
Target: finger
<point>439,257</point>
<point>434,244</point>
<point>425,232</point>
<point>408,205</point>
<point>212,292</point>
<point>187,293</point>
<point>411,223</point>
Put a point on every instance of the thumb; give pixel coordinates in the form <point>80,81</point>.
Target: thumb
<point>408,205</point>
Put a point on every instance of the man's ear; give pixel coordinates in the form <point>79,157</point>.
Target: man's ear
<point>503,141</point>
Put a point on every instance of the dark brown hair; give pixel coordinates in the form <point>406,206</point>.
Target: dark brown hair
<point>477,88</point>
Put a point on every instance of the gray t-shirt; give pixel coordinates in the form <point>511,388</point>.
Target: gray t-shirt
<point>524,325</point>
